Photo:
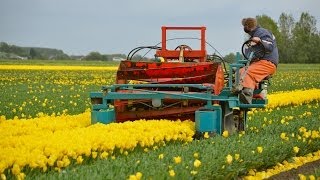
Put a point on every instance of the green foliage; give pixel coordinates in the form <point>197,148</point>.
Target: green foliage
<point>285,43</point>
<point>94,56</point>
<point>34,86</point>
<point>230,58</point>
<point>138,57</point>
<point>264,131</point>
<point>4,47</point>
<point>304,33</point>
<point>298,42</point>
<point>268,23</point>
<point>295,76</point>
<point>103,57</point>
<point>60,62</point>
<point>15,52</point>
<point>30,92</point>
<point>31,52</point>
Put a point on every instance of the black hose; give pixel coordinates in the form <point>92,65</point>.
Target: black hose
<point>135,50</point>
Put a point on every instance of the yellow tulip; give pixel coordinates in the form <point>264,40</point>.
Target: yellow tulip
<point>206,135</point>
<point>172,173</point>
<point>193,172</point>
<point>3,177</point>
<point>225,134</point>
<point>79,159</point>
<point>196,163</point>
<point>138,175</point>
<point>295,149</point>
<point>229,159</point>
<point>236,156</point>
<point>161,156</point>
<point>302,177</point>
<point>259,149</point>
<point>16,169</point>
<point>284,136</point>
<point>177,159</point>
<point>311,177</point>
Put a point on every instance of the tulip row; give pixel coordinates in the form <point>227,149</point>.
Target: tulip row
<point>54,142</point>
<point>219,157</point>
<point>66,68</point>
<point>284,166</point>
<point>296,97</point>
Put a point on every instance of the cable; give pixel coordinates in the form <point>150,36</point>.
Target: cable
<point>156,45</point>
<point>220,56</point>
<point>135,50</point>
<point>149,47</point>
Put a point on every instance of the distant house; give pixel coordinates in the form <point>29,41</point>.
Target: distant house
<point>117,59</point>
<point>22,58</point>
<point>14,56</point>
<point>77,57</point>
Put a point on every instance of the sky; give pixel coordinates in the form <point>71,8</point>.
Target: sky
<point>117,26</point>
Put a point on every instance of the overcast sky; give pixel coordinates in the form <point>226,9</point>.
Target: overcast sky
<point>80,26</point>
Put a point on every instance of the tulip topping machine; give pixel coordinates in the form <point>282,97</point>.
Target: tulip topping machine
<point>180,84</point>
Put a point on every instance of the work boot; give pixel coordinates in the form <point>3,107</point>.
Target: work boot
<point>236,89</point>
<point>246,96</point>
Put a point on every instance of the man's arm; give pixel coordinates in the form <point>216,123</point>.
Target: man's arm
<point>267,39</point>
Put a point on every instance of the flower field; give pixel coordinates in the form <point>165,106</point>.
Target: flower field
<point>45,131</point>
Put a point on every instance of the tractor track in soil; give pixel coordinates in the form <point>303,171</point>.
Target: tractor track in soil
<point>292,174</point>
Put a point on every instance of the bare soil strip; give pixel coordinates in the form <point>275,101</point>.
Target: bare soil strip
<point>306,169</point>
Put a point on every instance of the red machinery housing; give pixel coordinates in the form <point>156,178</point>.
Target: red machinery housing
<point>182,65</point>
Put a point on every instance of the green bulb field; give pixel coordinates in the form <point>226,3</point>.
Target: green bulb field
<point>45,130</point>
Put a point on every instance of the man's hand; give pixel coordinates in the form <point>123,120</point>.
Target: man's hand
<point>256,39</point>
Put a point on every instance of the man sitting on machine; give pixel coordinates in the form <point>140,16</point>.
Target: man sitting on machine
<point>262,65</point>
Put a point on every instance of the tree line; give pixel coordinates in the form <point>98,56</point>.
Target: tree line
<point>298,41</point>
<point>8,51</point>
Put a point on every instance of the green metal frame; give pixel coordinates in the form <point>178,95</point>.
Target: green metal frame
<point>104,112</point>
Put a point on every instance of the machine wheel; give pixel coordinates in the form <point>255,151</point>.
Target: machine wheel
<point>233,119</point>
<point>200,135</point>
<point>183,46</point>
<point>239,119</point>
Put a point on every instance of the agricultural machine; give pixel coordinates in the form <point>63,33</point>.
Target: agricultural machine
<point>181,83</point>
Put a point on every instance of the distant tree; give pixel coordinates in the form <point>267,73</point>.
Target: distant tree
<point>94,56</point>
<point>4,47</point>
<point>33,54</point>
<point>119,55</point>
<point>304,34</point>
<point>230,58</point>
<point>62,57</point>
<point>138,57</point>
<point>106,57</point>
<point>268,23</point>
<point>314,52</point>
<point>285,42</point>
<point>286,25</point>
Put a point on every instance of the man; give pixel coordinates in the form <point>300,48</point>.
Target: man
<point>262,67</point>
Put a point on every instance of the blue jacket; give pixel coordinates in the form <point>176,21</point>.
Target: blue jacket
<point>269,42</point>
